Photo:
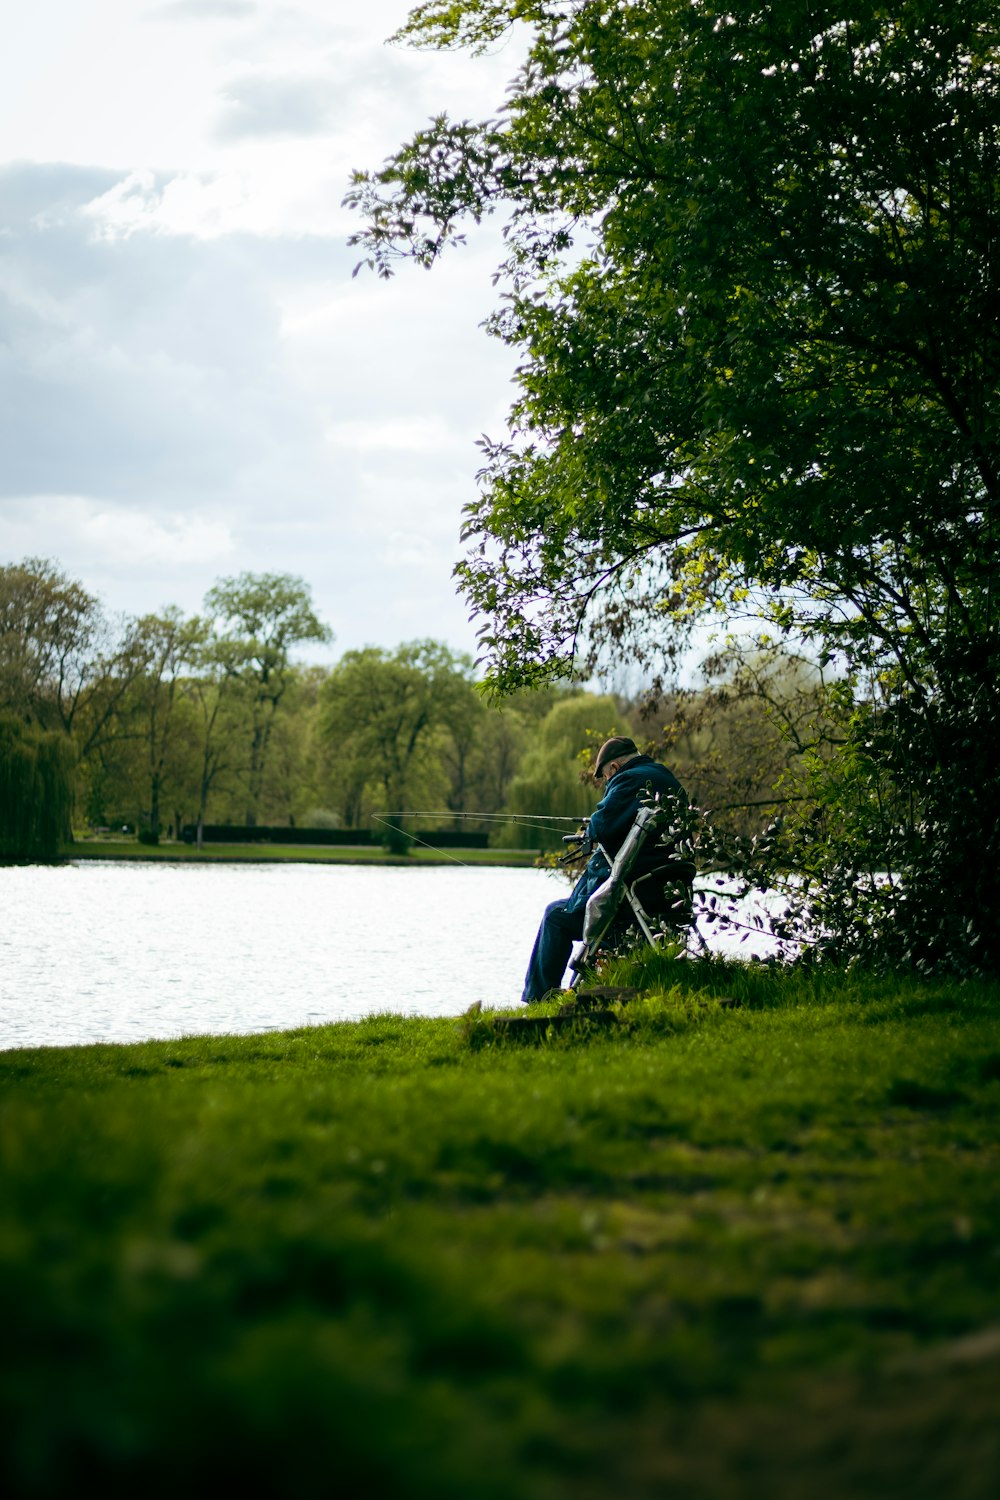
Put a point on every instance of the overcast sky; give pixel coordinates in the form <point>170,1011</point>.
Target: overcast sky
<point>191,382</point>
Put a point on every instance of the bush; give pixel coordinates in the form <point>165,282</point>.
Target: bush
<point>891,857</point>
<point>394,839</point>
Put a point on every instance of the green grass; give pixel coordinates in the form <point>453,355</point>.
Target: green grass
<point>326,854</point>
<point>711,1250</point>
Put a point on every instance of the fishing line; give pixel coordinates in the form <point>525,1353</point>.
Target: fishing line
<point>527,821</point>
<point>416,840</point>
<point>486,817</point>
<point>542,821</point>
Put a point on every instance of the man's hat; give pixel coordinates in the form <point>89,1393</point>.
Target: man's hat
<point>614,749</point>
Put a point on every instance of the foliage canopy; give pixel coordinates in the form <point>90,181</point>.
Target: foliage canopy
<point>751,267</point>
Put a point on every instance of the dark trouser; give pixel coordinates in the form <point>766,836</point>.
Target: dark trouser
<point>553,946</point>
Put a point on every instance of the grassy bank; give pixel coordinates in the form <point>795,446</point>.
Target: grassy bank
<point>741,1239</point>
<point>327,854</point>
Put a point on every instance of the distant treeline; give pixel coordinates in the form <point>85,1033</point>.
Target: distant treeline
<point>163,723</point>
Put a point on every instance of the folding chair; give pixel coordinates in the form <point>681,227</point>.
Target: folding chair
<point>649,888</point>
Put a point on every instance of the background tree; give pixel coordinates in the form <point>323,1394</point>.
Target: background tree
<point>36,789</point>
<point>741,741</point>
<point>381,711</point>
<point>62,664</point>
<point>501,744</point>
<point>292,784</point>
<point>219,730</point>
<point>553,780</point>
<point>260,618</point>
<point>751,272</point>
<point>49,626</point>
<point>458,744</point>
<point>169,643</point>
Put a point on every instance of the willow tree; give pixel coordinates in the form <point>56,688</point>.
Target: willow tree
<point>553,785</point>
<point>36,790</point>
<point>752,275</point>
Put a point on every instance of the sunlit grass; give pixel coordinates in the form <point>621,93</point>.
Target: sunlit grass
<point>734,1241</point>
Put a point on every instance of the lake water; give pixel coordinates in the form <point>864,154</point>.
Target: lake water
<point>119,952</point>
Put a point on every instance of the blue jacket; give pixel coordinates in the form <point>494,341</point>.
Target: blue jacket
<point>614,815</point>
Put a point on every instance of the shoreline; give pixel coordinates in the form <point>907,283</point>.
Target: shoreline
<point>269,853</point>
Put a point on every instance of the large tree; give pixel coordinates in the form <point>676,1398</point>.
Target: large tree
<point>383,715</point>
<point>219,729</point>
<point>63,664</point>
<point>171,646</point>
<point>752,271</point>
<point>260,618</point>
<point>49,628</point>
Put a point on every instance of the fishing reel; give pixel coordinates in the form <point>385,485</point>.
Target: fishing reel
<point>579,845</point>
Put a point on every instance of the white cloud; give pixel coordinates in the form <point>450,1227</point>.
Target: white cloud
<point>184,205</point>
<point>409,435</point>
<point>291,104</point>
<point>107,536</point>
<point>190,381</point>
<point>262,197</point>
<point>204,10</point>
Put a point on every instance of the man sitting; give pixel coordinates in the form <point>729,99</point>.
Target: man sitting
<point>626,776</point>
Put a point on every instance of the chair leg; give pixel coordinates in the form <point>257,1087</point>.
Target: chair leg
<point>653,936</point>
<point>641,918</point>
